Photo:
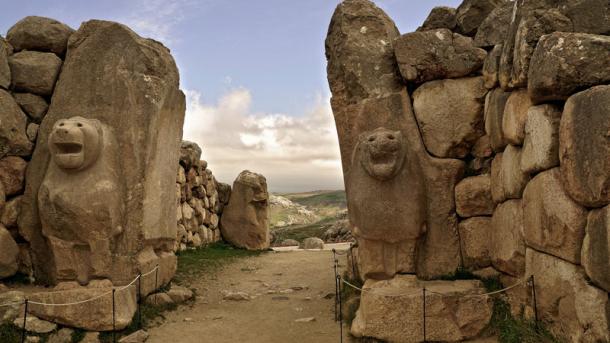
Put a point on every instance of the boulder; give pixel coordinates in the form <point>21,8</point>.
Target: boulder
<point>541,144</point>
<point>94,315</point>
<point>494,28</point>
<point>11,212</point>
<point>9,251</point>
<point>515,115</point>
<point>14,308</point>
<point>190,154</point>
<point>565,63</point>
<point>13,129</point>
<point>312,243</point>
<point>495,101</point>
<point>513,178</point>
<point>475,234</point>
<point>36,325</point>
<point>12,174</point>
<point>34,72</point>
<point>245,220</point>
<point>437,54</point>
<point>39,33</point>
<point>5,70</point>
<point>32,131</point>
<point>491,66</point>
<point>473,196</point>
<point>566,301</point>
<point>482,148</point>
<point>471,13</point>
<point>180,294</point>
<point>584,148</point>
<point>507,246</point>
<point>391,310</point>
<point>440,17</point>
<point>159,299</point>
<point>34,105</point>
<point>590,16</point>
<point>131,143</point>
<point>450,115</point>
<point>596,247</point>
<point>553,222</point>
<point>157,268</point>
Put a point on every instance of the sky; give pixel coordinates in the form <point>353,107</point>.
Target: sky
<point>254,75</point>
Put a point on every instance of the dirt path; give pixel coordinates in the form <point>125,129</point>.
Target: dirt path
<point>274,280</point>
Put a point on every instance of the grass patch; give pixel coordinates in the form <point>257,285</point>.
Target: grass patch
<point>9,333</point>
<point>517,330</point>
<point>150,313</point>
<point>300,232</point>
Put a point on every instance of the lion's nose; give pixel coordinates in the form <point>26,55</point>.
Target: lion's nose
<point>63,132</point>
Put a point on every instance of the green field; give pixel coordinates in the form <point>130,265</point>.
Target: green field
<point>319,199</point>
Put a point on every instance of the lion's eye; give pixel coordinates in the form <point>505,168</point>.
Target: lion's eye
<point>79,125</point>
<point>371,139</point>
<point>62,124</point>
<point>391,136</point>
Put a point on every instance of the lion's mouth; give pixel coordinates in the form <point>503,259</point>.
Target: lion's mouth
<point>69,148</point>
<point>384,157</point>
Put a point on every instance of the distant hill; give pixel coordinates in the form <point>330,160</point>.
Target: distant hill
<point>320,199</point>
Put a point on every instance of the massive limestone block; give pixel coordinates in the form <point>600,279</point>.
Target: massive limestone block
<point>475,238</point>
<point>95,315</point>
<point>596,247</point>
<point>507,245</point>
<point>584,148</point>
<point>12,174</point>
<point>368,100</point>
<point>491,67</point>
<point>473,196</point>
<point>11,212</point>
<point>495,101</point>
<point>437,54</point>
<point>391,310</point>
<point>33,105</point>
<point>114,157</point>
<point>566,301</point>
<point>493,29</point>
<point>9,251</point>
<point>565,63</point>
<point>450,115</point>
<point>13,138</point>
<point>513,178</point>
<point>245,221</point>
<point>471,13</point>
<point>5,70</point>
<point>553,222</point>
<point>34,72</point>
<point>440,17</point>
<point>590,16</point>
<point>39,33</point>
<point>541,144</point>
<point>515,115</point>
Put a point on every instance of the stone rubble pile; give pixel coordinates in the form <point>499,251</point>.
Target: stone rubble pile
<point>201,200</point>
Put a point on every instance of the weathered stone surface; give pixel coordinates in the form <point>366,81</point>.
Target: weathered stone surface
<point>95,315</point>
<point>39,33</point>
<point>495,101</point>
<point>437,54</point>
<point>190,154</point>
<point>12,174</point>
<point>491,67</point>
<point>33,105</point>
<point>360,53</point>
<point>5,70</point>
<point>471,13</point>
<point>11,212</point>
<point>10,312</point>
<point>507,245</point>
<point>2,198</point>
<point>9,251</point>
<point>180,294</point>
<point>573,308</point>
<point>584,148</point>
<point>596,247</point>
<point>245,221</point>
<point>513,178</point>
<point>590,16</point>
<point>541,144</point>
<point>386,316</point>
<point>450,115</point>
<point>13,138</point>
<point>553,222</point>
<point>515,115</point>
<point>121,208</point>
<point>62,336</point>
<point>475,237</point>
<point>32,131</point>
<point>36,325</point>
<point>34,72</point>
<point>157,269</point>
<point>565,63</point>
<point>91,337</point>
<point>312,243</point>
<point>473,196</point>
<point>494,28</point>
<point>441,17</point>
<point>139,336</point>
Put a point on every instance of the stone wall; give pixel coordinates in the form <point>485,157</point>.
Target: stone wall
<point>518,91</point>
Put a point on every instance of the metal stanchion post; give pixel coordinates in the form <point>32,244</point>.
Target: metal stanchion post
<point>25,317</point>
<point>156,281</point>
<point>424,317</point>
<point>336,285</point>
<point>340,308</point>
<point>113,317</point>
<point>140,301</point>
<point>535,300</point>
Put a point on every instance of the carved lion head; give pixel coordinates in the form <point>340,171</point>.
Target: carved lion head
<point>382,153</point>
<point>75,143</point>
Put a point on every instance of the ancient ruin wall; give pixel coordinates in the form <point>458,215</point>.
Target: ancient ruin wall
<point>517,93</point>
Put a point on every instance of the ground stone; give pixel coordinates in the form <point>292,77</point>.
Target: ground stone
<point>450,115</point>
<point>495,101</point>
<point>12,174</point>
<point>159,299</point>
<point>13,138</point>
<point>565,63</point>
<point>39,33</point>
<point>541,144</point>
<point>507,245</point>
<point>473,196</point>
<point>553,222</point>
<point>584,147</point>
<point>596,247</point>
<point>35,72</point>
<point>515,115</point>
<point>440,17</point>
<point>236,296</point>
<point>475,234</point>
<point>289,243</point>
<point>312,243</point>
<point>34,106</point>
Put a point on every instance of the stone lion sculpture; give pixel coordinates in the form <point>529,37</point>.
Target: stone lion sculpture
<point>386,207</point>
<point>80,199</point>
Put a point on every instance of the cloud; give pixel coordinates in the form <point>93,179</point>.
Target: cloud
<point>157,18</point>
<point>294,152</point>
